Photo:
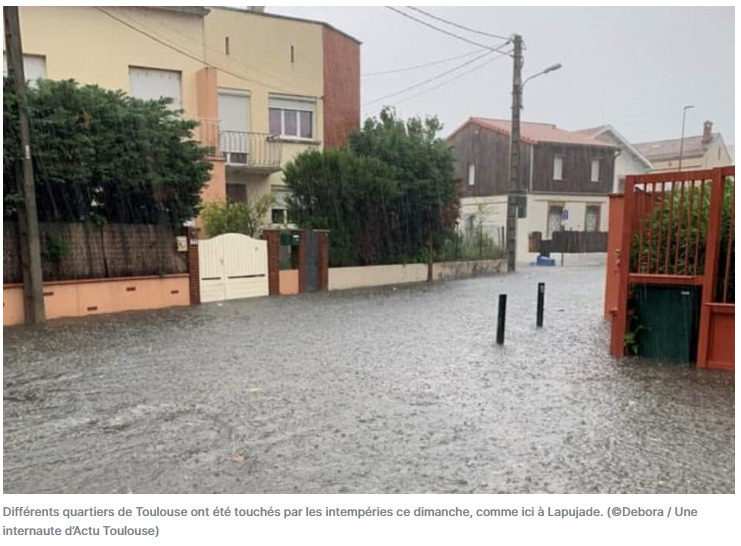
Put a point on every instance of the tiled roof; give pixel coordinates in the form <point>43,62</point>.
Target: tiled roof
<point>668,149</point>
<point>533,133</point>
<point>592,131</point>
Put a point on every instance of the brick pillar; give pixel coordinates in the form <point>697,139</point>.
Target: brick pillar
<point>194,270</point>
<point>323,240</point>
<point>302,262</point>
<point>272,236</point>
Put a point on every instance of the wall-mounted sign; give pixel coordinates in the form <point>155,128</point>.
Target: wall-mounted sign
<point>182,243</point>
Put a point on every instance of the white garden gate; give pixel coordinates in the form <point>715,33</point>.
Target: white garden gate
<point>233,266</point>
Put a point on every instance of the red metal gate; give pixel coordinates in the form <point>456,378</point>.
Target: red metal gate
<point>678,229</point>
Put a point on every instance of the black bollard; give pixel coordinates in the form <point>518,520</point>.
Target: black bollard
<point>500,318</point>
<point>541,302</point>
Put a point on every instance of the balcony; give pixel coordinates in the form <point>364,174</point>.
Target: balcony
<point>242,150</point>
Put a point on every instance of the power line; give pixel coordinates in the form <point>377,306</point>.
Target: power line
<point>451,23</point>
<point>459,37</point>
<point>457,77</point>
<point>442,61</point>
<point>419,84</point>
<point>179,50</point>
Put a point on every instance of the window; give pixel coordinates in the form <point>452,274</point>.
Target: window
<point>555,215</point>
<point>236,193</point>
<point>278,216</point>
<point>471,174</point>
<point>291,117</point>
<point>595,170</point>
<point>34,66</point>
<point>154,84</point>
<point>558,168</point>
<point>592,219</point>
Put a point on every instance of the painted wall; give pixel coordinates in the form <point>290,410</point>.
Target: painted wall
<point>288,282</point>
<point>99,296</point>
<point>473,268</point>
<point>341,278</point>
<point>260,62</point>
<point>91,47</point>
<point>491,210</point>
<point>537,218</point>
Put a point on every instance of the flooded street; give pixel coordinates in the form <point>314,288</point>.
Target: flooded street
<point>392,390</point>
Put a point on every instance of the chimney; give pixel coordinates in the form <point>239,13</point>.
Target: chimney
<point>707,132</point>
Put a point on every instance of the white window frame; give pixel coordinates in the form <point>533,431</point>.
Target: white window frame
<point>177,102</point>
<point>471,174</point>
<point>298,104</point>
<point>595,170</point>
<point>30,64</point>
<point>558,167</point>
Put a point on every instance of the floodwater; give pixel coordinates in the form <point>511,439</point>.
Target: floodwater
<point>389,390</point>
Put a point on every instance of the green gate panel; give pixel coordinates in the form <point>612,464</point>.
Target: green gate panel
<point>670,318</point>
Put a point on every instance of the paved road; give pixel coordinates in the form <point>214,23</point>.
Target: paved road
<point>368,391</point>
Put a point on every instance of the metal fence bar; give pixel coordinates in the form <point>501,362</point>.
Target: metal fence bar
<point>689,225</point>
<point>679,226</point>
<point>701,201</point>
<point>730,236</point>
<point>669,228</point>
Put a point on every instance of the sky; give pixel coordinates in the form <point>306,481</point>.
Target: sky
<point>633,68</point>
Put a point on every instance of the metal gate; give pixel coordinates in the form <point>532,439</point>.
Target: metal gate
<point>233,266</point>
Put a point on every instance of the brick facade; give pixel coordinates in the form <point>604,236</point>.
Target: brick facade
<point>301,253</point>
<point>341,87</point>
<point>272,236</point>
<point>194,269</point>
<point>323,241</point>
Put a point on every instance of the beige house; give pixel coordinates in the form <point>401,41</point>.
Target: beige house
<point>263,87</point>
<point>703,151</point>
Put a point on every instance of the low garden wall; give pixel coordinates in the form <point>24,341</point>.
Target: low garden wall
<point>342,278</point>
<point>80,298</point>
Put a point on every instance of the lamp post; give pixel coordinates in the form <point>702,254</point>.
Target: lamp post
<point>549,69</point>
<point>681,142</point>
<point>516,193</point>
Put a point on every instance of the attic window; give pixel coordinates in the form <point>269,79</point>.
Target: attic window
<point>471,174</point>
<point>226,44</point>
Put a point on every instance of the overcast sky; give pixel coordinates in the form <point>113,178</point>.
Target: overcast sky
<point>633,68</point>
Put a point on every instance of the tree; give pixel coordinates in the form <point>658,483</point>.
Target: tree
<point>243,218</point>
<point>385,198</point>
<point>423,166</point>
<point>103,156</point>
<point>352,196</point>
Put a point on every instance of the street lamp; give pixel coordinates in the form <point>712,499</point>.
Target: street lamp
<point>681,142</point>
<point>551,68</point>
<point>516,197</point>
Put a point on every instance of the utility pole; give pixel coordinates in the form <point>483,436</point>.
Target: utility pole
<point>28,222</point>
<point>515,192</point>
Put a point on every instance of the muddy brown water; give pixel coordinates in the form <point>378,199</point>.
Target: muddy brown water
<point>388,390</point>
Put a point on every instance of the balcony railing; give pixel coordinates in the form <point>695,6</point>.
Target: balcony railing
<point>241,149</point>
<point>255,150</point>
